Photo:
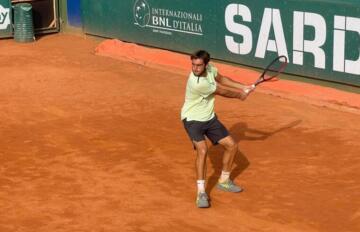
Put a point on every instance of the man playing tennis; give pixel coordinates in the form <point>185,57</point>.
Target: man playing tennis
<point>200,120</point>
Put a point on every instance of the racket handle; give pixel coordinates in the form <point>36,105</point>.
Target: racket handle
<point>258,82</point>
<point>249,90</point>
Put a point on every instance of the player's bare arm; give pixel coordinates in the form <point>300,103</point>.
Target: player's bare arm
<point>227,82</point>
<point>230,92</point>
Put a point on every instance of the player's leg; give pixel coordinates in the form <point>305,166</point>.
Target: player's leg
<point>196,133</point>
<point>218,134</point>
<point>201,150</point>
<point>231,149</point>
<point>202,199</point>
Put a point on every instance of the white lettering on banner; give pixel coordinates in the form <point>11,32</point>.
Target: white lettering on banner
<point>312,46</point>
<point>339,44</point>
<point>236,28</point>
<point>271,18</point>
<point>162,20</point>
<point>343,24</point>
<point>4,17</point>
<point>272,21</point>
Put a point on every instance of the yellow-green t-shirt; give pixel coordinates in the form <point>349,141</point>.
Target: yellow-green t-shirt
<point>199,97</point>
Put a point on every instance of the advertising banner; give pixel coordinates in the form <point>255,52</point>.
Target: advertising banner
<point>320,38</point>
<point>5,19</point>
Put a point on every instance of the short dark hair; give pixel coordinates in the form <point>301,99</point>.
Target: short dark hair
<point>201,54</point>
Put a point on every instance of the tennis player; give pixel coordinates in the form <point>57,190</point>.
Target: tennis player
<point>200,120</point>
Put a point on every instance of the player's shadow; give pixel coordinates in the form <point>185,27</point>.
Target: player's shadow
<point>239,132</point>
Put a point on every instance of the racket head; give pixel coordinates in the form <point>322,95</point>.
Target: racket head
<point>276,67</point>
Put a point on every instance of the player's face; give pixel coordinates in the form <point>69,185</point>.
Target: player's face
<point>198,67</point>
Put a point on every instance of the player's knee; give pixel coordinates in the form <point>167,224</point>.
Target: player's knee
<point>231,145</point>
<point>202,151</point>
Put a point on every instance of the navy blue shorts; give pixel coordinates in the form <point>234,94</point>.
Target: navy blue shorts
<point>214,130</point>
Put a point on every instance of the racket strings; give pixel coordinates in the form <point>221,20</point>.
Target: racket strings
<point>273,70</point>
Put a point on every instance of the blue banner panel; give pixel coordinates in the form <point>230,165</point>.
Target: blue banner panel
<point>74,13</point>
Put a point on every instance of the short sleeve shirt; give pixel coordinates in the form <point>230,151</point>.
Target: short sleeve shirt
<point>200,97</point>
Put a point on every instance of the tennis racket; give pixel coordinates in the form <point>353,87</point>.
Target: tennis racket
<point>276,67</point>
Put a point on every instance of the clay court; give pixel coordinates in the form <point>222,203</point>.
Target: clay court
<point>90,143</point>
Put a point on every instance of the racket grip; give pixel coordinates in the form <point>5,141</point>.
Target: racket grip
<point>249,90</point>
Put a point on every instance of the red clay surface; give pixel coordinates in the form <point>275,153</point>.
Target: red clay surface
<point>90,143</point>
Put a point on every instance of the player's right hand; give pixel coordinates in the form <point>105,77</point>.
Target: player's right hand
<point>248,89</point>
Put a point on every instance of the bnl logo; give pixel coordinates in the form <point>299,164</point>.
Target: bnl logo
<point>142,13</point>
<point>4,17</point>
